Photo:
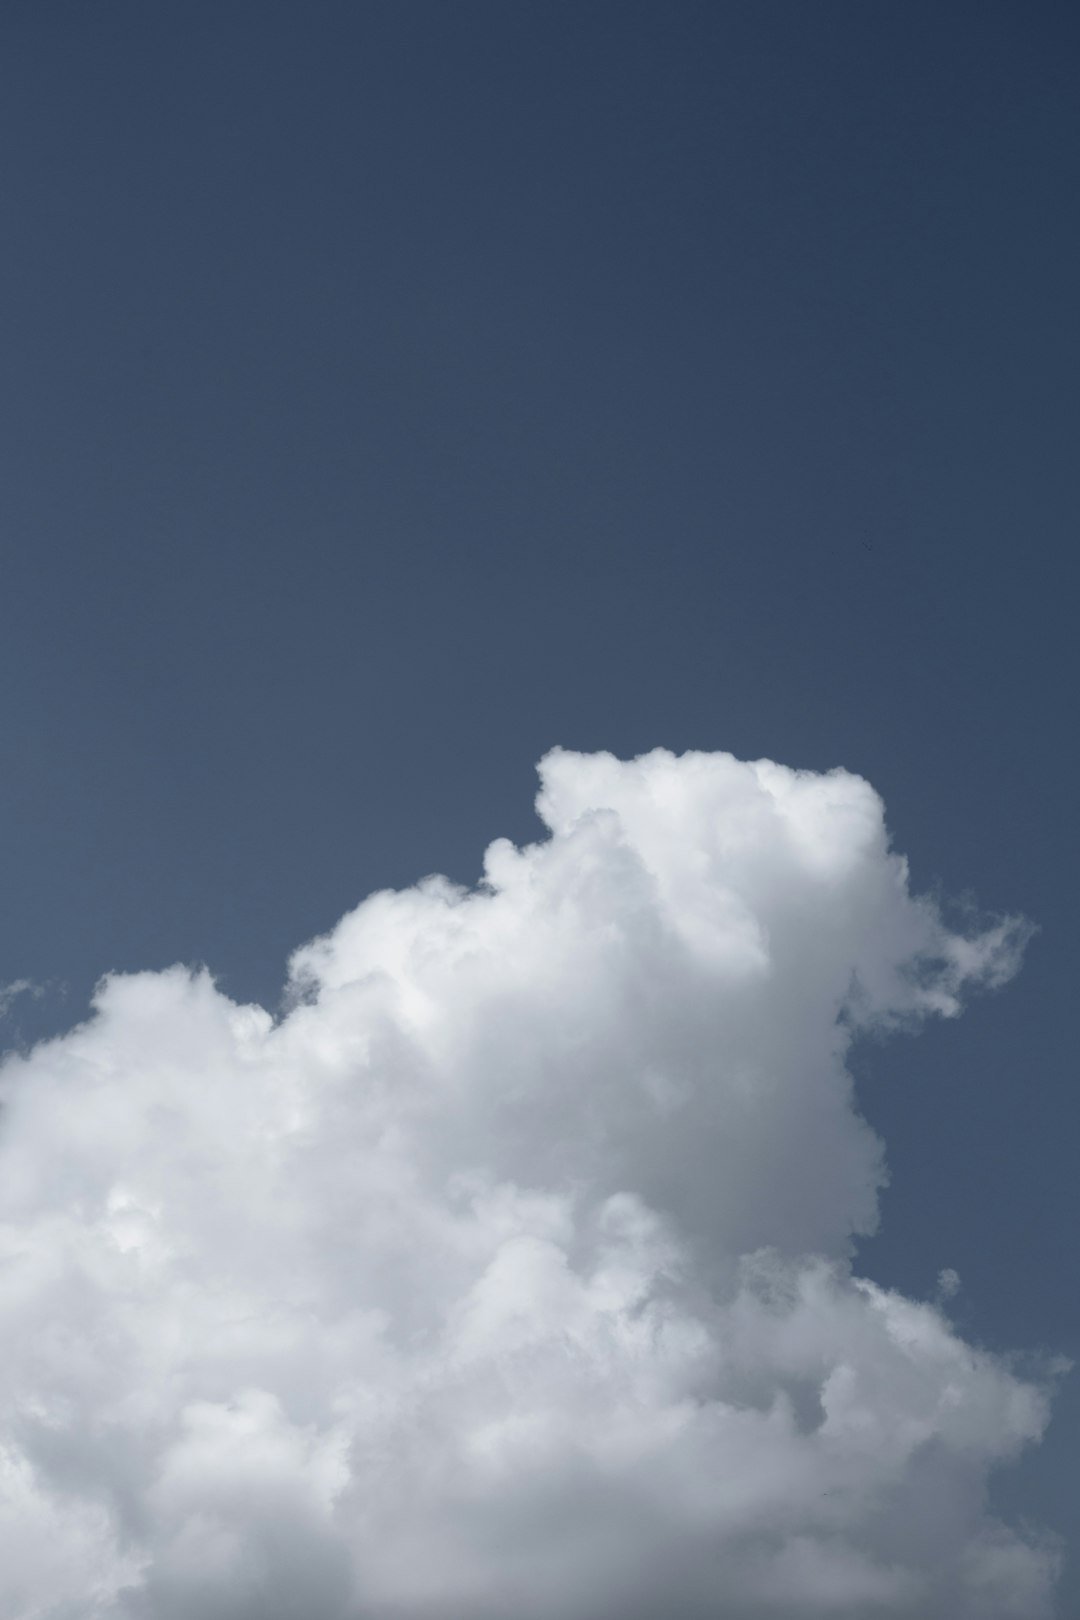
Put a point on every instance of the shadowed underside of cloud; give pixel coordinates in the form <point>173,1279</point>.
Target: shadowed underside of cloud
<point>508,1273</point>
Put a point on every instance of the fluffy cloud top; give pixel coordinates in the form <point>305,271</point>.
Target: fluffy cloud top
<point>508,1273</point>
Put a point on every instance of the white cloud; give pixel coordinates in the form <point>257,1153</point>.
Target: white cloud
<point>948,1283</point>
<point>10,993</point>
<point>509,1273</point>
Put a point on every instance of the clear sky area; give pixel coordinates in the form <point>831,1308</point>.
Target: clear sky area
<point>395,392</point>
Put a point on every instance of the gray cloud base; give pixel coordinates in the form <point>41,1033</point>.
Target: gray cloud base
<point>509,1272</point>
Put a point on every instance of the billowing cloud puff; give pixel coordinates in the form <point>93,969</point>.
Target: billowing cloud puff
<point>508,1273</point>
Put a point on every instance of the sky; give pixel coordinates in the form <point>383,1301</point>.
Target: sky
<point>393,394</point>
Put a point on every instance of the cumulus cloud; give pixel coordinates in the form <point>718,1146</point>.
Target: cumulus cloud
<point>508,1272</point>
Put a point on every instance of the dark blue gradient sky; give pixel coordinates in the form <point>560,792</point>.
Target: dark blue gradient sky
<point>392,391</point>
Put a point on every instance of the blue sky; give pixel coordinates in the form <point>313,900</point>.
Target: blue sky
<point>393,392</point>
